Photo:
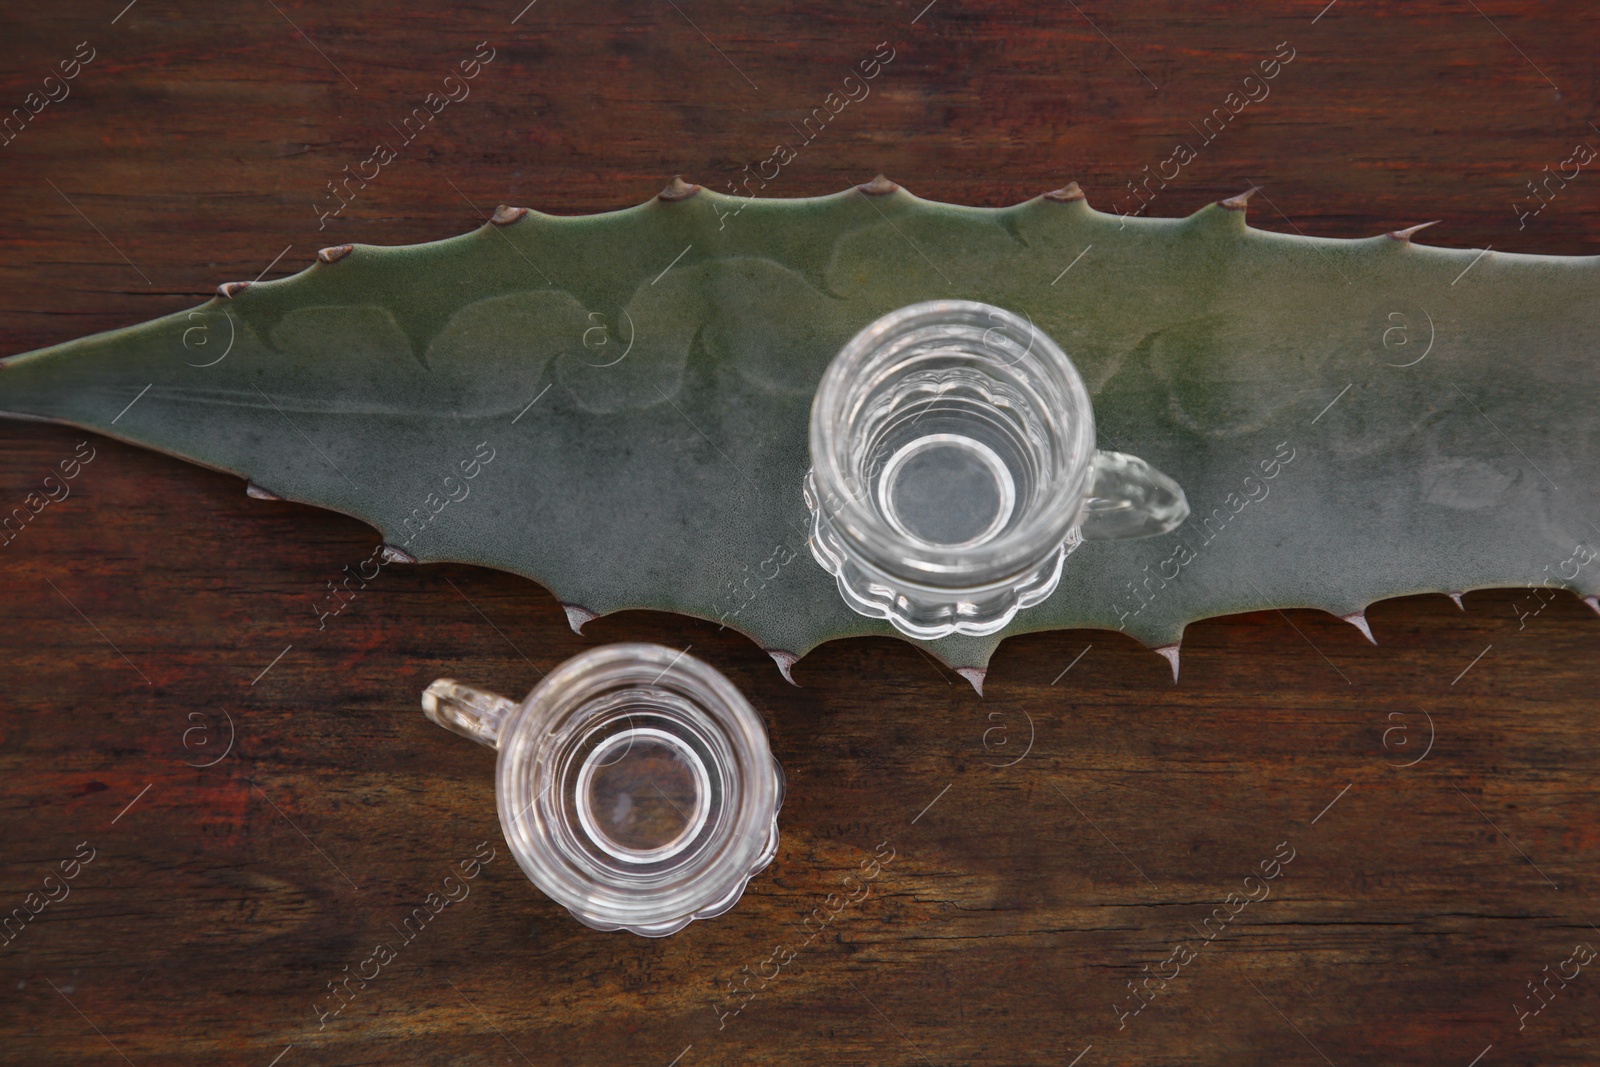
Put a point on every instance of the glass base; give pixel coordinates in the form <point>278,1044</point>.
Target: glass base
<point>919,611</point>
<point>706,911</point>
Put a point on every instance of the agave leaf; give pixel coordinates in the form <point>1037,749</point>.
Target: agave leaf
<point>1351,420</point>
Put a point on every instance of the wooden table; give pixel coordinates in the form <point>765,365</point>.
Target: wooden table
<point>1053,843</point>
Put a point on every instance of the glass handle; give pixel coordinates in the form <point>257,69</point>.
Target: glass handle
<point>470,712</point>
<point>1130,498</point>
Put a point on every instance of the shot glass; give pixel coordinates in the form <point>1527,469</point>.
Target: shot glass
<point>954,468</point>
<point>635,784</point>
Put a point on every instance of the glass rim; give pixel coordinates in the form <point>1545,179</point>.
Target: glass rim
<point>933,568</point>
<point>520,787</point>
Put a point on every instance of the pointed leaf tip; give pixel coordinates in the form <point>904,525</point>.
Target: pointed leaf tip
<point>1066,194</point>
<point>255,492</point>
<point>975,675</point>
<point>396,554</point>
<point>1358,619</point>
<point>1457,598</point>
<point>505,216</point>
<point>578,617</point>
<point>785,662</point>
<point>227,289</point>
<point>879,186</point>
<point>678,189</point>
<point>335,253</point>
<point>1170,652</point>
<point>1593,602</point>
<point>1405,234</point>
<point>1237,203</point>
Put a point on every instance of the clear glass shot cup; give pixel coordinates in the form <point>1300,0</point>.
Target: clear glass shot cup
<point>954,468</point>
<point>635,784</point>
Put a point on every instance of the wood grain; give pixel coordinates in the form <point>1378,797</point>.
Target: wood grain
<point>1023,898</point>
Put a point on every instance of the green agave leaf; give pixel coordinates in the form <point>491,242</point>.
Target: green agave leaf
<point>1351,420</point>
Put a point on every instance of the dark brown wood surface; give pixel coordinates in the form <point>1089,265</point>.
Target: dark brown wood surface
<point>1052,842</point>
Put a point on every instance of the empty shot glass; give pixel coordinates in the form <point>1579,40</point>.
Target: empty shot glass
<point>635,784</point>
<point>954,468</point>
